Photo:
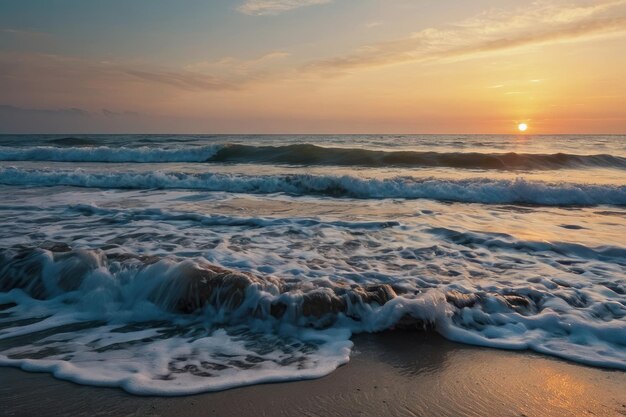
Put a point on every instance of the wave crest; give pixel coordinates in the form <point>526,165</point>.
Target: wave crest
<point>475,190</point>
<point>142,154</point>
<point>307,154</point>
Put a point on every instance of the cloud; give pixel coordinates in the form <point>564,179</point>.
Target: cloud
<point>496,30</point>
<point>225,74</point>
<point>274,7</point>
<point>184,80</point>
<point>115,114</point>
<point>26,39</point>
<point>230,66</point>
<point>54,78</point>
<point>8,111</point>
<point>57,74</point>
<point>21,33</point>
<point>373,24</point>
<point>15,119</point>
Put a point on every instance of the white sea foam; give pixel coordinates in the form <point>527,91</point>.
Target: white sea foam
<point>184,280</point>
<point>475,190</point>
<point>310,154</point>
<point>221,220</point>
<point>125,311</point>
<point>109,154</point>
<point>171,360</point>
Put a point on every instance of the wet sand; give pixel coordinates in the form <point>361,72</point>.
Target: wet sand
<point>395,373</point>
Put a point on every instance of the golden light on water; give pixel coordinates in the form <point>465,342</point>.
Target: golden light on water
<point>522,127</point>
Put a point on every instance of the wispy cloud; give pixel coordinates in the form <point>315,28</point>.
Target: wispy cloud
<point>25,120</point>
<point>225,74</point>
<point>118,114</point>
<point>15,119</point>
<point>274,7</point>
<point>241,67</point>
<point>58,73</point>
<point>543,22</point>
<point>26,39</point>
<point>184,80</point>
<point>22,33</point>
<point>373,24</point>
<point>494,31</point>
<point>6,109</point>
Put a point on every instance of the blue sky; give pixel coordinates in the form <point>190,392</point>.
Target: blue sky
<point>163,31</point>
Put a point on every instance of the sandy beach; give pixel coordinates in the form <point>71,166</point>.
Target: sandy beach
<point>393,373</point>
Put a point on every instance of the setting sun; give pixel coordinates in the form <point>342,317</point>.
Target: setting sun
<point>233,198</point>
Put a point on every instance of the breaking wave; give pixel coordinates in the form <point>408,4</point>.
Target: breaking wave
<point>475,190</point>
<point>142,154</point>
<point>171,326</point>
<point>306,154</point>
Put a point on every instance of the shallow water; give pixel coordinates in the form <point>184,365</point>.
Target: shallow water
<point>109,246</point>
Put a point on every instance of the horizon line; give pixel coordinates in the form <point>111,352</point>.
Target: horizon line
<point>308,134</point>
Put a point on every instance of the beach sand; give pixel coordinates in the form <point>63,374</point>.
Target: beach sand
<point>393,373</point>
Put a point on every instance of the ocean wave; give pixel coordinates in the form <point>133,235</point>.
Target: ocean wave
<point>306,154</point>
<point>186,326</point>
<point>74,141</point>
<point>504,241</point>
<point>124,215</point>
<point>143,154</point>
<point>475,190</point>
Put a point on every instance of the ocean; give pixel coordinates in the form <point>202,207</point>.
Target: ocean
<point>180,264</point>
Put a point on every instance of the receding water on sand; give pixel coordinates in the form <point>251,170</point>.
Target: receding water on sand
<point>391,373</point>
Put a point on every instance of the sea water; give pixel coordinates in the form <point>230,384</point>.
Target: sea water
<point>178,264</point>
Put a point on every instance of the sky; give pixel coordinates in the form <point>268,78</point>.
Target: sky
<point>313,66</point>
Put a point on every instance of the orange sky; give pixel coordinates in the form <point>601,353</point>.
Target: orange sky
<point>318,66</point>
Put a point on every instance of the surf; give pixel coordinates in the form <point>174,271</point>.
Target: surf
<point>474,190</point>
<point>185,326</point>
<point>308,155</point>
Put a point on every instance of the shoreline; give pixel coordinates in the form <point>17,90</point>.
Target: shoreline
<point>392,373</point>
